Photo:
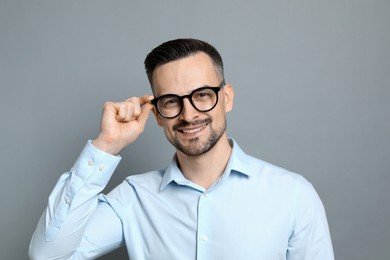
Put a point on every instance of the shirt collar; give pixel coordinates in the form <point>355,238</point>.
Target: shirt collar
<point>239,162</point>
<point>172,173</point>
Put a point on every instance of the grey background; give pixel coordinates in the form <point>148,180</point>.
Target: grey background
<point>312,95</point>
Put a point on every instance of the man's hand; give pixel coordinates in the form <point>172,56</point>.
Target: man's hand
<point>122,123</point>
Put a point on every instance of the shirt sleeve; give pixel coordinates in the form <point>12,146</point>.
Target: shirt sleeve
<point>74,213</point>
<point>310,238</point>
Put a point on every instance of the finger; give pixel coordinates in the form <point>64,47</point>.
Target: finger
<point>125,111</point>
<point>120,113</point>
<point>145,99</point>
<point>110,110</point>
<point>144,115</point>
<point>138,102</point>
<point>134,107</point>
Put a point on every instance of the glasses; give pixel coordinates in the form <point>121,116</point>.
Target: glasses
<point>202,99</point>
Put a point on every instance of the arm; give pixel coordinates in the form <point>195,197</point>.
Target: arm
<point>310,238</point>
<point>71,226</point>
<point>72,202</point>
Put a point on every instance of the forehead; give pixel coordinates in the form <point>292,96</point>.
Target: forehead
<point>184,75</point>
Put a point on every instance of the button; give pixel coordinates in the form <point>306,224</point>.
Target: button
<point>101,167</point>
<point>206,195</point>
<point>204,238</point>
<point>67,200</point>
<point>90,163</point>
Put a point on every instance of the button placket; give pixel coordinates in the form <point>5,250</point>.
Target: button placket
<point>205,209</point>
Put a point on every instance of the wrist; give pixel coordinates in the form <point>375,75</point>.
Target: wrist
<point>105,146</point>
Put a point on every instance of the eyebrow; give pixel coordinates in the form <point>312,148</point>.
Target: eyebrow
<point>204,86</point>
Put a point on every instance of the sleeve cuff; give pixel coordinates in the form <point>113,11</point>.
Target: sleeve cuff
<point>95,166</point>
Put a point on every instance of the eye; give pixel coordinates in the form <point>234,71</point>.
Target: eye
<point>203,94</point>
<point>169,102</point>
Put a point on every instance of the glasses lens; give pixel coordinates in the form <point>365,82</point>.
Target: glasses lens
<point>204,99</point>
<point>169,106</point>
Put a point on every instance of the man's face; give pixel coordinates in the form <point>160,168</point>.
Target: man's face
<point>192,132</point>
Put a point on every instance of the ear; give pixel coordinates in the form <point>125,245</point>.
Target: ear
<point>228,92</point>
<point>158,118</point>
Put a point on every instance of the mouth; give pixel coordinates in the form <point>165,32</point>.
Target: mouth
<point>192,130</point>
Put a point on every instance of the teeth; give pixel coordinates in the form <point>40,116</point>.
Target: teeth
<point>193,130</point>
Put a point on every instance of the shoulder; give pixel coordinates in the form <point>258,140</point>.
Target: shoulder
<point>272,173</point>
<point>287,182</point>
<point>280,182</point>
<point>287,185</point>
<point>150,180</point>
<point>126,193</point>
<point>258,169</point>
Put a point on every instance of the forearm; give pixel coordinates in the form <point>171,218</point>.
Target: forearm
<point>71,203</point>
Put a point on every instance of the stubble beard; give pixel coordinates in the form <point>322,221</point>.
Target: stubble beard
<point>196,147</point>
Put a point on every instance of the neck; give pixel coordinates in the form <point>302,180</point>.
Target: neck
<point>205,169</point>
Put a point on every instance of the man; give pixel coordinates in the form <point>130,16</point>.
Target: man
<point>212,202</point>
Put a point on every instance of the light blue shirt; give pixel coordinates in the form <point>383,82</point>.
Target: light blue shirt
<point>254,211</point>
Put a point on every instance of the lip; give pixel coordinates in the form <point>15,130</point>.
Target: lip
<point>191,131</point>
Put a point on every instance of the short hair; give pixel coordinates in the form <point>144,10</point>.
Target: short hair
<point>178,49</point>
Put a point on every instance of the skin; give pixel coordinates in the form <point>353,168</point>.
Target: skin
<point>123,122</point>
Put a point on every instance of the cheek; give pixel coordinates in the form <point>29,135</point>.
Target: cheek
<point>219,114</point>
<point>167,128</point>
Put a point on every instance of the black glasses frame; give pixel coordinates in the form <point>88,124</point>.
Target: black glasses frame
<point>189,96</point>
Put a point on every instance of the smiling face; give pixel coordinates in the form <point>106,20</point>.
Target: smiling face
<point>192,132</point>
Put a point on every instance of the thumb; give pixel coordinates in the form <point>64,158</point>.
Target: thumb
<point>144,115</point>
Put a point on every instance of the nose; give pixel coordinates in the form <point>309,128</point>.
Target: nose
<point>188,113</point>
